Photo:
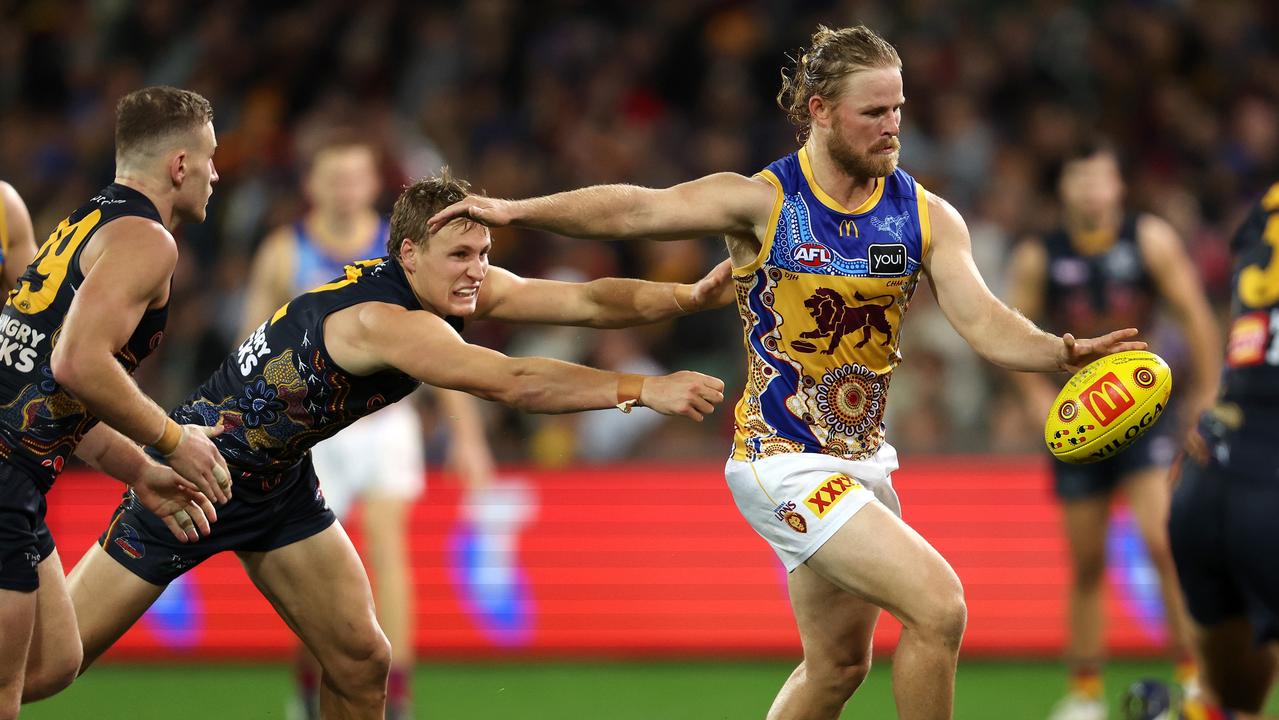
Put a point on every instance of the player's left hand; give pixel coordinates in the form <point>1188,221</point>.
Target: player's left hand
<point>1075,354</point>
<point>187,513</point>
<point>715,290</point>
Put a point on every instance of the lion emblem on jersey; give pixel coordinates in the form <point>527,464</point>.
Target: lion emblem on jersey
<point>835,318</point>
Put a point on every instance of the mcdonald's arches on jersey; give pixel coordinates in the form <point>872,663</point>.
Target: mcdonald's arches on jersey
<point>1107,405</point>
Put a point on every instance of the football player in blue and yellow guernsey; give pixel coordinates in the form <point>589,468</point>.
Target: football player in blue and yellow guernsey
<point>828,245</point>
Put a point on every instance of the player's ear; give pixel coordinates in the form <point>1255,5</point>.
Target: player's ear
<point>178,167</point>
<point>408,258</point>
<point>819,109</point>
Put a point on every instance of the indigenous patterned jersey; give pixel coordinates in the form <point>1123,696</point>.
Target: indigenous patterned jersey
<point>280,392</point>
<point>40,423</point>
<point>1088,295</point>
<point>822,309</point>
<point>312,264</point>
<point>1252,352</point>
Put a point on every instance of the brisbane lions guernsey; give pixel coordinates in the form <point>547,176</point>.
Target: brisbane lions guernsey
<point>40,423</point>
<point>281,393</point>
<point>1252,353</point>
<point>822,309</point>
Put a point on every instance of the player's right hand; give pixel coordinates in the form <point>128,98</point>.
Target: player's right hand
<point>492,212</point>
<point>197,459</point>
<point>686,393</point>
<point>185,512</point>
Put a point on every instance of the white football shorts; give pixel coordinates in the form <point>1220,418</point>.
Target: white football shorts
<point>797,501</point>
<point>380,454</point>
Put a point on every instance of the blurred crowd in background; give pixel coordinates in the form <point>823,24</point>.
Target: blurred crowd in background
<point>527,98</point>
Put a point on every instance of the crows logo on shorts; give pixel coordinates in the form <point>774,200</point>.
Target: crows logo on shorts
<point>128,541</point>
<point>829,493</point>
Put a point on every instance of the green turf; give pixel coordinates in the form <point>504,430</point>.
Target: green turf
<point>987,690</point>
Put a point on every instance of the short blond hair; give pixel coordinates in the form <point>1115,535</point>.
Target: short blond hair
<point>148,117</point>
<point>415,206</point>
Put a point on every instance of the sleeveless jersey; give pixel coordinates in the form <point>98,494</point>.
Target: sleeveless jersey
<point>313,265</point>
<point>40,423</point>
<point>281,393</point>
<point>1089,295</point>
<point>1251,374</point>
<point>822,309</point>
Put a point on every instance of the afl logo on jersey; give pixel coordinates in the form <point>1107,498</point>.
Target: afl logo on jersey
<point>813,255</point>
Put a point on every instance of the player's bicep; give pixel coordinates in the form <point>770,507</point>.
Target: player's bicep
<point>20,245</point>
<point>961,293</point>
<point>1026,273</point>
<point>1170,266</point>
<point>423,346</point>
<point>132,271</point>
<point>722,203</point>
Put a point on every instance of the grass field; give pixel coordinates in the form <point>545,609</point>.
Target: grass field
<point>987,690</point>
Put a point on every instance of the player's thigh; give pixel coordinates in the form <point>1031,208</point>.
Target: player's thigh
<point>55,639</point>
<point>17,623</point>
<point>835,626</point>
<point>879,558</point>
<point>319,587</point>
<point>385,530</point>
<point>1149,496</point>
<point>108,599</point>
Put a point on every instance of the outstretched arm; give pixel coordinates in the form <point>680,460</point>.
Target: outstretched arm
<point>603,303</point>
<point>723,203</point>
<point>377,336</point>
<point>997,332</point>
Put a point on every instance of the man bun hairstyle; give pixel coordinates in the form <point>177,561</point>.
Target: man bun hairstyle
<point>820,70</point>
<point>146,118</point>
<point>418,203</point>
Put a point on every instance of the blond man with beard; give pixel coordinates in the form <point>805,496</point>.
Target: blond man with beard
<point>828,245</point>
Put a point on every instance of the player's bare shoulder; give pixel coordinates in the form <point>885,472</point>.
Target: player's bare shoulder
<point>148,244</point>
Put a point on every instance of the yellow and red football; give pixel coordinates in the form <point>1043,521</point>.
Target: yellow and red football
<point>1107,405</point>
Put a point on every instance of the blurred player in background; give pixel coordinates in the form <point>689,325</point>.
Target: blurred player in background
<point>1106,267</point>
<point>827,246</point>
<point>100,287</point>
<point>17,237</point>
<point>340,352</point>
<point>379,459</point>
<point>1223,521</point>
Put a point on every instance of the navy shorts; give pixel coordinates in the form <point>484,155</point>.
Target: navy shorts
<point>1157,448</point>
<point>24,537</point>
<point>140,541</point>
<point>1223,523</point>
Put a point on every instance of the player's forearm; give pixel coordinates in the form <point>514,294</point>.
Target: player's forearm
<point>109,394</point>
<point>621,302</point>
<point>107,451</point>
<point>1010,340</point>
<point>543,385</point>
<point>602,212</point>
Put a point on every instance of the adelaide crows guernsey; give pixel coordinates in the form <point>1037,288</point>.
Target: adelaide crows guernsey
<point>822,309</point>
<point>1088,294</point>
<point>40,423</point>
<point>281,393</point>
<point>1252,352</point>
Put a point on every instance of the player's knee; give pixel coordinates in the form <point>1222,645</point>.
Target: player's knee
<point>1088,571</point>
<point>51,678</point>
<point>946,617</point>
<point>362,664</point>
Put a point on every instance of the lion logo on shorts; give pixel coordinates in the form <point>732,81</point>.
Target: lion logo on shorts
<point>835,318</point>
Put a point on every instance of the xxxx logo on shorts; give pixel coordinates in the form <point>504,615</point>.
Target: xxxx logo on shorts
<point>786,513</point>
<point>830,492</point>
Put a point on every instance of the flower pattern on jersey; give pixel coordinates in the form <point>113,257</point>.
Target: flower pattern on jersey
<point>260,404</point>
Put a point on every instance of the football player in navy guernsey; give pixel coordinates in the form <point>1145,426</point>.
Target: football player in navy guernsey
<point>84,313</point>
<point>1222,525</point>
<point>340,352</point>
<point>1107,266</point>
<point>828,245</point>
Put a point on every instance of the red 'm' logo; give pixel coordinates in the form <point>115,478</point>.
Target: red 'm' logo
<point>1107,399</point>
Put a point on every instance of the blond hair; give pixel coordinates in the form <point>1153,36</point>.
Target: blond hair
<point>832,55</point>
<point>418,203</point>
